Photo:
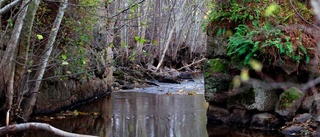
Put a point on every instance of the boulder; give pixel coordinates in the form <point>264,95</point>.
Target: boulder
<point>289,102</point>
<point>218,115</point>
<point>303,118</point>
<point>256,96</point>
<point>240,117</point>
<point>307,103</point>
<point>217,83</point>
<point>315,109</point>
<point>265,121</point>
<point>295,130</point>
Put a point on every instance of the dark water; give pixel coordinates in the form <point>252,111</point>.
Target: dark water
<point>148,113</point>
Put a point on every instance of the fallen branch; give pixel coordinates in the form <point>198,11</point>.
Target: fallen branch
<point>194,62</point>
<point>11,129</point>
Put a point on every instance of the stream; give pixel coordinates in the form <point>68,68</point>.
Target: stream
<point>168,110</point>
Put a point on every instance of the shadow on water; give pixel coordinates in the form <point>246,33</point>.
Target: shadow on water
<point>143,114</point>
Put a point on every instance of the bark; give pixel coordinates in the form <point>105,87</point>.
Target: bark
<point>24,46</point>
<point>7,63</point>
<point>30,100</point>
<point>9,6</point>
<point>37,126</point>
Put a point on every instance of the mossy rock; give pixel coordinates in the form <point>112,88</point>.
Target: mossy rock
<point>216,65</point>
<point>289,102</point>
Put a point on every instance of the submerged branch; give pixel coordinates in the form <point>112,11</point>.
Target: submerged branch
<point>11,129</point>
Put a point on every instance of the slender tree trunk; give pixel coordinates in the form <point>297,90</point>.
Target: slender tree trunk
<point>169,38</point>
<point>24,46</point>
<point>7,62</point>
<point>30,100</point>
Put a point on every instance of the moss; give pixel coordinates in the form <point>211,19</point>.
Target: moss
<point>216,65</point>
<point>288,97</point>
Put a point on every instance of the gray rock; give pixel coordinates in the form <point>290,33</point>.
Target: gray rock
<point>303,118</point>
<point>289,102</point>
<point>216,83</point>
<point>240,117</point>
<point>315,109</point>
<point>307,103</point>
<point>218,115</point>
<point>293,130</point>
<point>265,121</point>
<point>259,96</point>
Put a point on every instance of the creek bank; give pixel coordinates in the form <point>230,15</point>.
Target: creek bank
<point>127,78</point>
<point>262,74</point>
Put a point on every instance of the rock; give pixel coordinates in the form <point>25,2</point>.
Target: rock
<point>265,121</point>
<point>240,117</point>
<point>258,96</point>
<point>317,132</point>
<point>217,115</point>
<point>293,130</point>
<point>303,118</point>
<point>289,102</point>
<point>307,103</point>
<point>185,75</point>
<point>217,98</point>
<point>315,109</point>
<point>217,83</point>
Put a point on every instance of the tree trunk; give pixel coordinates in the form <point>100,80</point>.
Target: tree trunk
<point>7,62</point>
<point>30,100</point>
<point>22,57</point>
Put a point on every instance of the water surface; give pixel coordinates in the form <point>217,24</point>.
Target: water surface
<point>132,114</point>
<point>148,112</point>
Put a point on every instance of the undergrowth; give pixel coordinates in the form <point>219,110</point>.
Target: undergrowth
<point>252,31</point>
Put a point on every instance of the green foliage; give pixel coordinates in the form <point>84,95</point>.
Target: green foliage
<point>235,12</point>
<point>76,37</point>
<point>249,28</point>
<point>247,43</point>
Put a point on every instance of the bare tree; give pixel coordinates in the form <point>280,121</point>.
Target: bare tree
<point>30,101</point>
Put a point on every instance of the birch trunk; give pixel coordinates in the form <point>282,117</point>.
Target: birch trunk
<point>169,38</point>
<point>7,62</point>
<point>30,100</point>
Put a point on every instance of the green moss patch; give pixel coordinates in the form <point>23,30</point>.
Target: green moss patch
<point>288,97</point>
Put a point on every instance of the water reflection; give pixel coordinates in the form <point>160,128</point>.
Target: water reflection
<point>127,114</point>
<point>158,115</point>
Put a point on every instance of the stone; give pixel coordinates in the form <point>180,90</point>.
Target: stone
<point>293,130</point>
<point>216,83</point>
<point>289,102</point>
<point>265,121</point>
<point>303,118</point>
<point>258,96</point>
<point>307,103</point>
<point>218,115</point>
<point>317,132</point>
<point>240,117</point>
<point>315,109</point>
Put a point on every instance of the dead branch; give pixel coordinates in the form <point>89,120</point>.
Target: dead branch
<point>11,129</point>
<point>194,62</point>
